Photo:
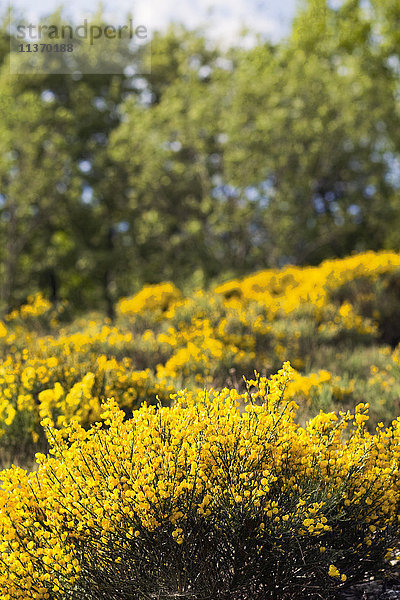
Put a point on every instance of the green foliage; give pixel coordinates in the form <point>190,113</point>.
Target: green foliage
<point>217,163</point>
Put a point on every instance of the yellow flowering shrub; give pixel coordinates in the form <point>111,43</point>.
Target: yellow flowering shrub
<point>67,377</point>
<point>37,312</point>
<point>286,289</point>
<point>301,386</point>
<point>333,318</point>
<point>204,339</point>
<point>150,298</point>
<point>222,495</point>
<point>35,306</point>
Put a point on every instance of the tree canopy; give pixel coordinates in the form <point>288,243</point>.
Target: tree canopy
<point>215,164</point>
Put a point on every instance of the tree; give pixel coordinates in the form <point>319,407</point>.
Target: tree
<point>311,129</point>
<point>59,210</point>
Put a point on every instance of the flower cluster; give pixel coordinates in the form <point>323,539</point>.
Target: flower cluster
<point>66,377</point>
<point>151,298</point>
<point>36,306</point>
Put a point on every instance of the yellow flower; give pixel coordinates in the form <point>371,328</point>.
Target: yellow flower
<point>333,571</point>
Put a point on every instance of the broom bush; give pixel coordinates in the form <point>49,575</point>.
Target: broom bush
<point>220,496</point>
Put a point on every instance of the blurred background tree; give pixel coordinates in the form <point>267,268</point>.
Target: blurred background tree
<point>218,163</point>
